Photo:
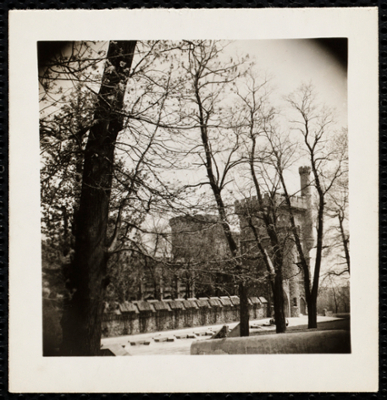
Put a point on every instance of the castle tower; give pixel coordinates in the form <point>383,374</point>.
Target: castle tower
<point>293,281</point>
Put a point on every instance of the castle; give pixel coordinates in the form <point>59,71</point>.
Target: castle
<point>199,252</point>
<point>199,240</point>
<point>189,288</point>
<point>249,210</point>
<point>200,249</point>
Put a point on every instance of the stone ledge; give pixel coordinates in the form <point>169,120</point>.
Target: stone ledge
<point>144,316</point>
<point>316,342</point>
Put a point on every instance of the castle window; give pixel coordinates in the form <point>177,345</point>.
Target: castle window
<point>294,301</point>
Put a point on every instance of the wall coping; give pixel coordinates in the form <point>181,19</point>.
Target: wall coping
<point>143,306</point>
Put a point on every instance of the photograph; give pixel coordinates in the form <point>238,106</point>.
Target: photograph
<point>191,184</point>
<point>191,191</point>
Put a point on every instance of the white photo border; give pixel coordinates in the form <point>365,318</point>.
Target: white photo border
<point>29,370</point>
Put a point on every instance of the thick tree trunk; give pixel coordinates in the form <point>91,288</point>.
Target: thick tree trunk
<point>82,317</point>
<point>312,313</point>
<point>244,310</point>
<point>278,297</point>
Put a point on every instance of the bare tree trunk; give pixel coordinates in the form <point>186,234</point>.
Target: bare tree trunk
<point>269,223</point>
<point>278,297</point>
<point>312,313</point>
<point>344,239</point>
<point>82,315</point>
<point>273,270</point>
<point>244,310</point>
<point>216,190</point>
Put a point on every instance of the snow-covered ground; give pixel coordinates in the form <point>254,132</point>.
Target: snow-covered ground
<point>179,341</point>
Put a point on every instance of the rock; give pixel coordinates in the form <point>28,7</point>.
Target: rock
<point>140,342</point>
<point>236,332</point>
<point>191,336</point>
<point>160,339</point>
<point>222,333</point>
<point>181,336</point>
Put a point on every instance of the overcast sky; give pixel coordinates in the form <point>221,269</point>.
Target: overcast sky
<point>289,63</point>
<point>292,62</point>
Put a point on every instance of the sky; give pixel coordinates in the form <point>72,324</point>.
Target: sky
<point>291,62</point>
<point>288,62</point>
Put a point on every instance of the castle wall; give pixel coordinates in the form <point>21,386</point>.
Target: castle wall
<point>197,239</point>
<point>194,238</point>
<point>302,211</point>
<point>292,274</point>
<point>155,316</point>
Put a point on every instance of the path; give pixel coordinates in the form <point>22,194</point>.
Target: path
<point>159,346</point>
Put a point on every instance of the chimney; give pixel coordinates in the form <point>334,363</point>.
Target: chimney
<point>305,181</point>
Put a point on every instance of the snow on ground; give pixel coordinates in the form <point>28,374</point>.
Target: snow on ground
<point>179,341</point>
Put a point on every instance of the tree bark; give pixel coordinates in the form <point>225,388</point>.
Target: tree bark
<point>312,298</point>
<point>82,317</point>
<point>344,239</point>
<point>278,297</point>
<point>244,310</point>
<point>276,271</point>
<point>312,313</point>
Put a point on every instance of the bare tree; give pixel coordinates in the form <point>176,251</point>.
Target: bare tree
<point>82,315</point>
<point>314,125</point>
<point>334,294</point>
<point>106,155</point>
<point>209,81</point>
<point>262,218</point>
<point>337,210</point>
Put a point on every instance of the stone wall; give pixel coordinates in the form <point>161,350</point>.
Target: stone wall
<point>250,211</point>
<point>316,342</point>
<point>131,318</point>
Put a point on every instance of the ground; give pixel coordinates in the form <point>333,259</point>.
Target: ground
<point>156,343</point>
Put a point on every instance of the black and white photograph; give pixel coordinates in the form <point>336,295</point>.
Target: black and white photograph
<point>197,195</point>
<point>187,197</point>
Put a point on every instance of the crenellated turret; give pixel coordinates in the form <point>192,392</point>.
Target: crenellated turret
<point>251,205</point>
<point>250,211</point>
